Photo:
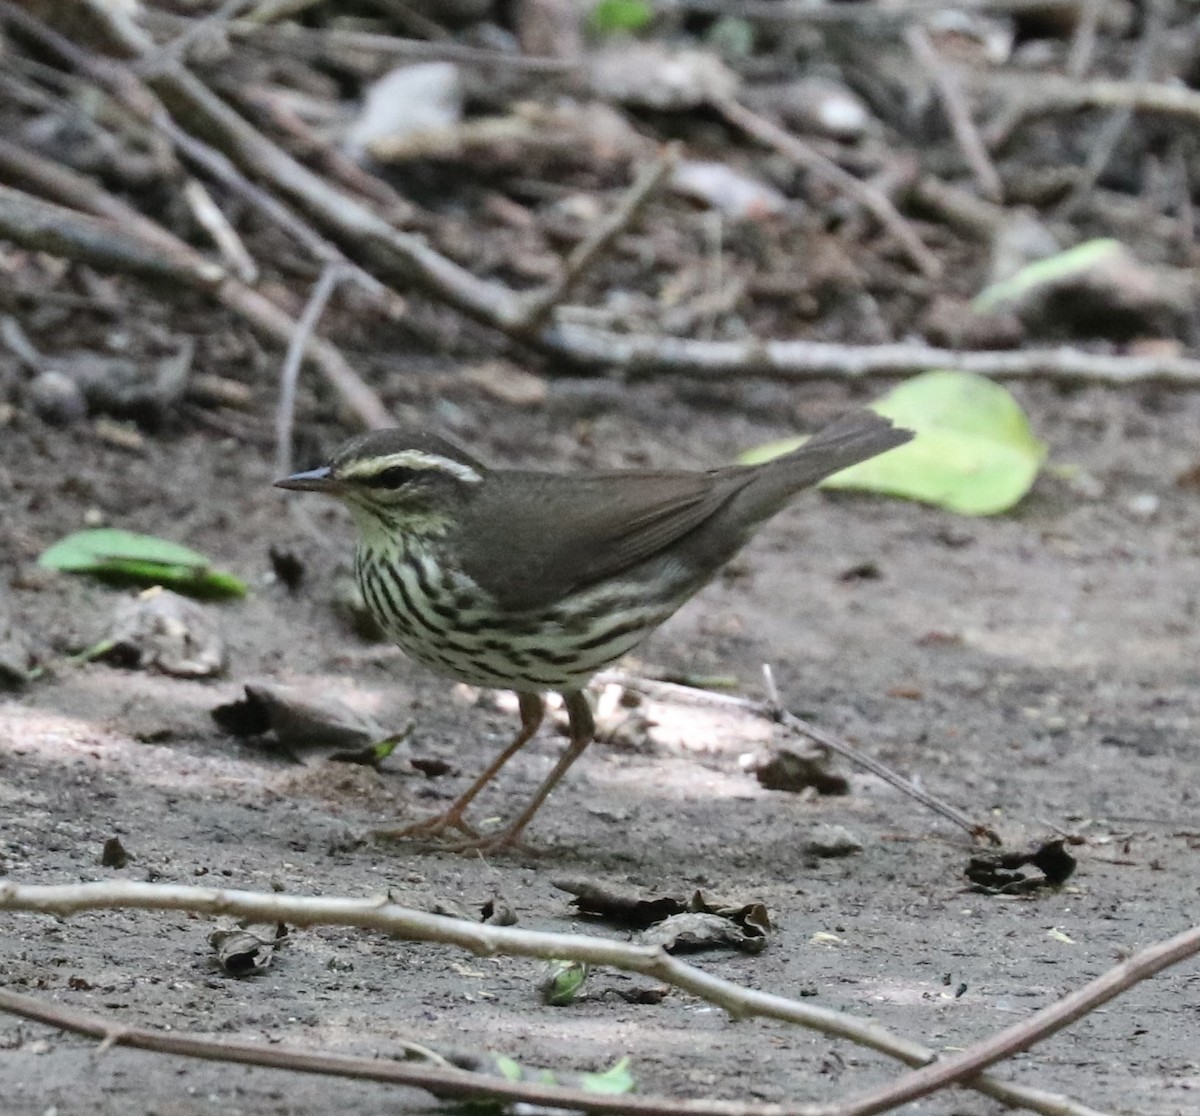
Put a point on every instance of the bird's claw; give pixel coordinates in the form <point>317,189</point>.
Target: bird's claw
<point>433,827</point>
<point>508,840</point>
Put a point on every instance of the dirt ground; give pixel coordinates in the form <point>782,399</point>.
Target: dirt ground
<point>1037,669</point>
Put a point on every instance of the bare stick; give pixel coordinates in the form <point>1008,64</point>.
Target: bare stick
<point>285,415</point>
<point>958,1068</point>
<point>815,360</point>
<point>224,236</point>
<point>771,710</point>
<point>292,38</point>
<point>44,227</point>
<point>803,155</point>
<point>877,14</point>
<point>36,174</point>
<point>1083,40</point>
<point>379,914</point>
<point>540,304</point>
<point>957,113</point>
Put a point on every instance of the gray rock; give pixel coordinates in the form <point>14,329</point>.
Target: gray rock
<point>830,841</point>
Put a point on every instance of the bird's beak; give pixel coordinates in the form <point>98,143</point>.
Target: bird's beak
<point>315,480</point>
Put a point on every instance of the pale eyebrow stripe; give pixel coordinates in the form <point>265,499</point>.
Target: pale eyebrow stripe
<point>410,459</point>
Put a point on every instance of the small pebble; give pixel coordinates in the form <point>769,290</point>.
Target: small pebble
<point>832,841</point>
<point>56,398</point>
<point>1144,505</point>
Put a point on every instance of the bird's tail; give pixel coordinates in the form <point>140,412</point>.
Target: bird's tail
<point>843,443</point>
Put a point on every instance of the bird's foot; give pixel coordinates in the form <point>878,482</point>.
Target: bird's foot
<point>434,827</point>
<point>507,840</point>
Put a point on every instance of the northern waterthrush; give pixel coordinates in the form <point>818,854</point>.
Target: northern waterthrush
<point>534,581</point>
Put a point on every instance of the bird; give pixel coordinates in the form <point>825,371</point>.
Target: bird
<point>532,580</point>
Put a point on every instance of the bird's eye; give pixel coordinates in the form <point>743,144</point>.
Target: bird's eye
<point>395,476</point>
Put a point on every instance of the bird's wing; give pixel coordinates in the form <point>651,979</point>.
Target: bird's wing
<point>609,522</point>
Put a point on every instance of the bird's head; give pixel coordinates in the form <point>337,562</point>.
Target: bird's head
<point>398,480</point>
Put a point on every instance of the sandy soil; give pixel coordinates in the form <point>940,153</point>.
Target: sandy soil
<point>1036,669</point>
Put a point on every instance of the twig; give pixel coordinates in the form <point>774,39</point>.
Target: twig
<point>330,276</point>
<point>379,914</point>
<point>803,155</point>
<point>36,174</point>
<point>1083,39</point>
<point>541,303</point>
<point>266,102</point>
<point>643,354</point>
<point>967,213</point>
<point>224,236</point>
<point>36,224</point>
<point>958,1068</point>
<point>293,39</point>
<point>772,710</point>
<point>957,113</point>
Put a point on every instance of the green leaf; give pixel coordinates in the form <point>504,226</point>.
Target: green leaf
<point>563,982</point>
<point>974,452</point>
<point>613,1081</point>
<point>381,749</point>
<point>510,1068</point>
<point>611,17</point>
<point>1063,265</point>
<point>128,558</point>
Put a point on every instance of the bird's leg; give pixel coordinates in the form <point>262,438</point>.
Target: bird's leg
<point>532,709</point>
<point>583,730</point>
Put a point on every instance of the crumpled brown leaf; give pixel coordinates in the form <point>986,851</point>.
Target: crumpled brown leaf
<point>698,922</point>
<point>319,725</point>
<point>241,953</point>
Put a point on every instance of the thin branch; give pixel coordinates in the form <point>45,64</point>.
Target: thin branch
<point>965,212</point>
<point>957,113</point>
<point>293,39</point>
<point>772,710</point>
<point>803,155</point>
<point>43,227</point>
<point>208,214</point>
<point>290,375</point>
<point>868,14</point>
<point>644,354</point>
<point>959,1068</point>
<point>379,914</point>
<point>541,303</point>
<point>1083,39</point>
